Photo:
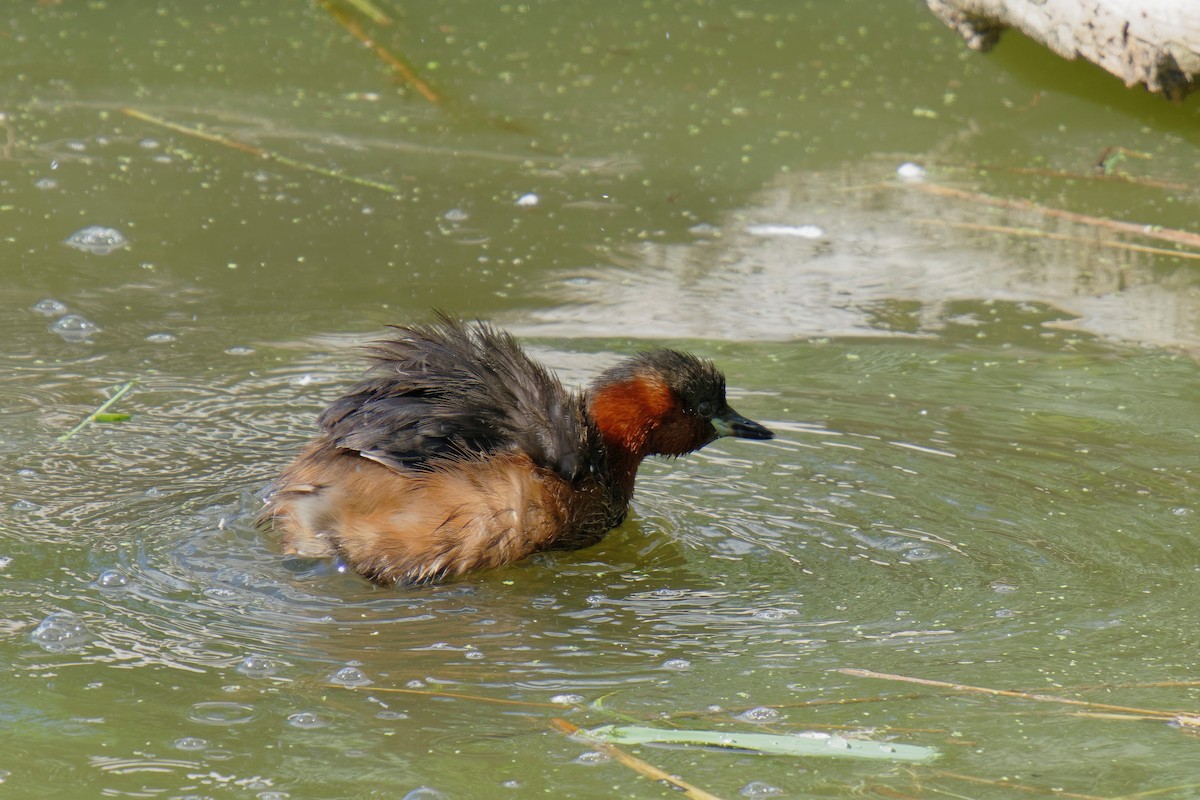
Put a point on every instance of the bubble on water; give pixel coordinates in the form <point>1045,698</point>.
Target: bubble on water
<point>149,144</point>
<point>757,790</point>
<point>24,505</point>
<point>50,307</point>
<point>1002,586</point>
<point>528,200</point>
<point>511,784</point>
<point>350,676</point>
<point>257,666</point>
<point>45,183</point>
<point>920,554</point>
<point>567,699</point>
<point>220,713</point>
<point>910,172</point>
<point>759,714</point>
<point>592,758</point>
<point>76,145</point>
<point>772,614</point>
<point>97,239</point>
<point>456,215</point>
<point>5,561</point>
<point>273,795</point>
<point>886,748</point>
<point>677,665</point>
<point>838,743</point>
<point>704,229</point>
<point>306,720</point>
<point>388,714</point>
<point>239,350</point>
<point>160,338</point>
<point>426,793</point>
<point>475,655</point>
<point>74,328</point>
<point>190,743</point>
<point>668,594</point>
<point>112,579</point>
<point>59,632</point>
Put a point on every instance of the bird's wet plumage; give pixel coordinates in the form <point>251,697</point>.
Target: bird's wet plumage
<point>459,452</point>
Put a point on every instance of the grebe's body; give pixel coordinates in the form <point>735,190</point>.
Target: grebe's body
<point>459,452</point>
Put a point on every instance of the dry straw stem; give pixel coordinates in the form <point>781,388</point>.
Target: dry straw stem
<point>225,141</point>
<point>1185,238</point>
<point>636,764</point>
<point>1044,698</point>
<point>454,695</point>
<point>398,65</point>
<point>1032,233</point>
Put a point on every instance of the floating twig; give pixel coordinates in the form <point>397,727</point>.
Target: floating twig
<point>1185,238</point>
<point>99,412</point>
<point>1066,237</point>
<point>1044,698</point>
<point>225,141</point>
<point>399,66</point>
<point>636,764</point>
<point>455,695</point>
<point>1020,787</point>
<point>371,11</point>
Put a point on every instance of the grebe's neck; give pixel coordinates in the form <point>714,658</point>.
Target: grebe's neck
<point>626,413</point>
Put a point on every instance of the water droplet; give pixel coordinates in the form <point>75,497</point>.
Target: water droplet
<point>528,200</point>
<point>191,743</point>
<point>350,676</point>
<point>910,172</point>
<point>838,743</point>
<point>677,665</point>
<point>59,632</point>
<point>239,350</point>
<point>112,579</point>
<point>306,720</point>
<point>51,307</point>
<point>74,328</point>
<point>456,215</point>
<point>426,793</point>
<point>257,666</point>
<point>45,183</point>
<point>759,714</point>
<point>220,713</point>
<point>757,790</point>
<point>886,748</point>
<point>160,338</point>
<point>97,239</point>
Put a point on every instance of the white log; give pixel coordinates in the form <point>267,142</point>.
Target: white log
<point>1152,42</point>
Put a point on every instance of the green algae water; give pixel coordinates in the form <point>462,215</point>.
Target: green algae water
<point>987,417</point>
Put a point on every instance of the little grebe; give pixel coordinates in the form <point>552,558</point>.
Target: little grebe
<point>459,452</point>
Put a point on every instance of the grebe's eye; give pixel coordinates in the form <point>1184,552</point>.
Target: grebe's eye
<point>705,408</point>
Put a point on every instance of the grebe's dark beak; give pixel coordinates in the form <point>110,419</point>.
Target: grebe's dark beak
<point>731,423</point>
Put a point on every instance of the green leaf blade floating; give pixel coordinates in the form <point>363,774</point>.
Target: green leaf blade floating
<point>102,411</point>
<point>803,744</point>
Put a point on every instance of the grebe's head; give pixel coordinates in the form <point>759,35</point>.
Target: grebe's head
<point>666,402</point>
